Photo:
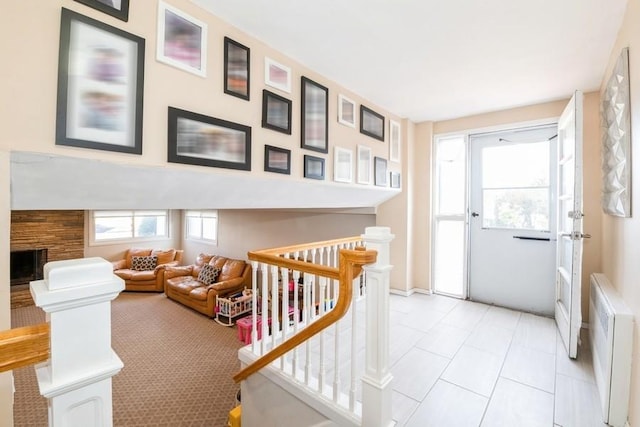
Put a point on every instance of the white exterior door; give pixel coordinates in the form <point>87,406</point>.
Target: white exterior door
<point>512,218</point>
<point>568,312</point>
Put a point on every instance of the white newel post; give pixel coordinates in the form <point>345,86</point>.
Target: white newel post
<point>376,381</point>
<point>76,295</point>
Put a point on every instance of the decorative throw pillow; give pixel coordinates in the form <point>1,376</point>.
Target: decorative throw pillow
<point>208,274</point>
<point>143,263</point>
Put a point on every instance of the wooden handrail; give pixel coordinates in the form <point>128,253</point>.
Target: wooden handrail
<point>351,262</point>
<point>24,346</point>
<point>307,246</point>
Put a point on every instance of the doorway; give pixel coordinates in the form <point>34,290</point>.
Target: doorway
<point>512,218</point>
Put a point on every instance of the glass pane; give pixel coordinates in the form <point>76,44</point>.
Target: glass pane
<point>451,175</point>
<point>112,228</point>
<point>516,165</point>
<point>150,226</point>
<point>209,228</point>
<point>449,257</point>
<point>526,208</point>
<point>194,227</point>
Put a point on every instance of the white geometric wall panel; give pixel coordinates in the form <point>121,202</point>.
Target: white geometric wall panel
<point>616,139</point>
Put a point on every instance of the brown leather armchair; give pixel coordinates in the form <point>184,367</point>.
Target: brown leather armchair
<point>147,279</point>
<point>181,284</point>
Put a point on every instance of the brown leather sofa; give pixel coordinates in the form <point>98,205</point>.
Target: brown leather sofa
<point>181,284</point>
<point>141,277</point>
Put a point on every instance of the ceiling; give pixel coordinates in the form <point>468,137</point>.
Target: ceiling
<point>434,59</point>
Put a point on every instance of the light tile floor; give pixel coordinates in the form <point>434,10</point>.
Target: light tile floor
<point>460,363</point>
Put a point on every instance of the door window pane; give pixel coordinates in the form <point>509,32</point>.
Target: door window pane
<point>515,186</point>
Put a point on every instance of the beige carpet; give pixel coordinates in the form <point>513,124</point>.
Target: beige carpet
<point>178,366</point>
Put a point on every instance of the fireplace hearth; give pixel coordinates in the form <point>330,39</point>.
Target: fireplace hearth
<point>26,266</point>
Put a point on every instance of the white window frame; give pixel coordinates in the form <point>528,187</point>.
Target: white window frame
<point>201,214</point>
<point>133,239</point>
<point>437,216</point>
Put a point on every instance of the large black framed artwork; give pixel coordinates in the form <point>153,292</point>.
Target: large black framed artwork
<point>196,139</point>
<point>100,86</point>
<point>116,8</point>
<point>315,116</point>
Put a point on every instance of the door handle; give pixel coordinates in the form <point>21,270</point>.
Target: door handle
<point>475,214</point>
<point>576,235</point>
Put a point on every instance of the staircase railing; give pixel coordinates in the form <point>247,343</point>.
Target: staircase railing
<point>20,347</point>
<point>309,323</point>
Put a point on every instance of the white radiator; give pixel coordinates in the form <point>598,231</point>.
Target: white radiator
<point>611,336</point>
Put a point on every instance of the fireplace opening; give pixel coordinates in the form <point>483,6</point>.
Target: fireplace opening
<point>27,265</point>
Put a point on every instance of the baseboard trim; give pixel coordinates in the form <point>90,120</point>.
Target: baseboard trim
<point>410,291</point>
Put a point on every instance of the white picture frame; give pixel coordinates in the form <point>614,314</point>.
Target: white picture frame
<point>276,75</point>
<point>364,164</point>
<point>394,141</point>
<point>182,40</point>
<point>342,164</point>
<point>346,111</point>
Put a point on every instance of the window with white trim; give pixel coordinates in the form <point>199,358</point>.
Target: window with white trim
<point>201,225</point>
<point>131,225</point>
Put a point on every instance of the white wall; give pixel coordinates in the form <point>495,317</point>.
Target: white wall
<point>620,242</point>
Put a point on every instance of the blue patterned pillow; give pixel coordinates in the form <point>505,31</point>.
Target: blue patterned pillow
<point>144,263</point>
<point>208,274</point>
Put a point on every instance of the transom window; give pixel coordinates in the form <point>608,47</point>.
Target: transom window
<point>131,225</point>
<point>202,225</point>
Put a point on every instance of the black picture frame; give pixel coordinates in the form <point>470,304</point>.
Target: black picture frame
<point>314,134</point>
<point>100,86</point>
<point>196,139</point>
<point>107,6</point>
<point>380,171</point>
<point>277,160</point>
<point>313,167</point>
<point>371,123</point>
<point>237,69</point>
<point>276,112</point>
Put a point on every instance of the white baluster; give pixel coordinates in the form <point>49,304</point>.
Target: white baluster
<point>264,314</point>
<point>275,323</point>
<point>285,309</point>
<point>254,306</point>
<point>321,368</point>
<point>296,324</point>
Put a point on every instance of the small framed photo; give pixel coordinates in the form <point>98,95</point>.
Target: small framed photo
<point>315,116</point>
<point>277,75</point>
<point>313,167</point>
<point>395,179</point>
<point>276,112</point>
<point>100,86</point>
<point>277,160</point>
<point>371,123</point>
<point>236,69</point>
<point>196,139</point>
<point>380,171</point>
<point>342,165</point>
<point>346,111</point>
<point>364,164</point>
<point>182,40</point>
<point>394,141</point>
<point>115,8</point>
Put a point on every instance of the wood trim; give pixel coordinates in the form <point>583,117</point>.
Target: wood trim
<point>307,246</point>
<point>20,347</point>
<point>351,262</point>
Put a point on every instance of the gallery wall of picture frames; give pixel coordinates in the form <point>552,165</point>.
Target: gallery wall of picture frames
<point>100,101</point>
